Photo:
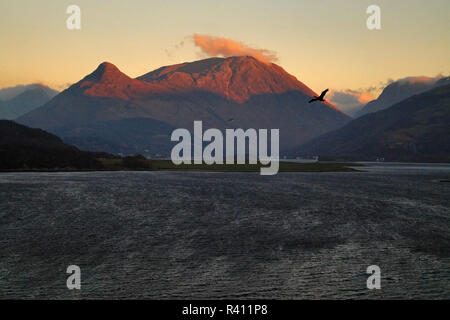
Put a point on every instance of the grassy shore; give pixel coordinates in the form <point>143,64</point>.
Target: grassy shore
<point>118,164</point>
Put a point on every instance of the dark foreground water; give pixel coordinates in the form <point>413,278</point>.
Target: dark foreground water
<point>164,235</point>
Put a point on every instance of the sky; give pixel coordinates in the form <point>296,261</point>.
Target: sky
<point>325,44</point>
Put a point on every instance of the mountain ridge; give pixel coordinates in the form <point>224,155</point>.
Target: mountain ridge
<point>415,129</point>
<point>225,76</point>
<point>254,94</point>
<point>9,93</point>
<point>24,148</point>
<point>399,90</point>
<point>25,101</point>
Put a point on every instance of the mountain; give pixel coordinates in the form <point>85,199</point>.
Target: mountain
<point>442,82</point>
<point>253,93</point>
<point>31,97</point>
<point>400,90</point>
<point>415,129</point>
<point>11,92</point>
<point>236,78</point>
<point>26,148</point>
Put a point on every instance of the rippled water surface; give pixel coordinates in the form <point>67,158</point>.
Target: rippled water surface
<point>162,235</point>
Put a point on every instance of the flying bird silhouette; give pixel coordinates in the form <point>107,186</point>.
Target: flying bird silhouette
<point>319,98</point>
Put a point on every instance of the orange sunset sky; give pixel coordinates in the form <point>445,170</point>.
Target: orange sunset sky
<point>325,44</point>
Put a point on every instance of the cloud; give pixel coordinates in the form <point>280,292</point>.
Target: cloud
<point>63,86</point>
<point>351,100</point>
<point>179,45</point>
<point>216,46</point>
<point>421,79</point>
<point>172,50</point>
<point>411,80</point>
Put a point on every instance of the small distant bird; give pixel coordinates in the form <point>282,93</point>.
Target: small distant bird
<point>319,98</point>
<point>231,120</point>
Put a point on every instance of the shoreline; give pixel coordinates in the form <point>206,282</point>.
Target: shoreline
<point>167,165</point>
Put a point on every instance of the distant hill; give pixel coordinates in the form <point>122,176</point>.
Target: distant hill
<point>442,82</point>
<point>29,98</point>
<point>11,92</point>
<point>400,90</point>
<point>415,129</point>
<point>254,94</point>
<point>26,148</point>
<point>127,136</point>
